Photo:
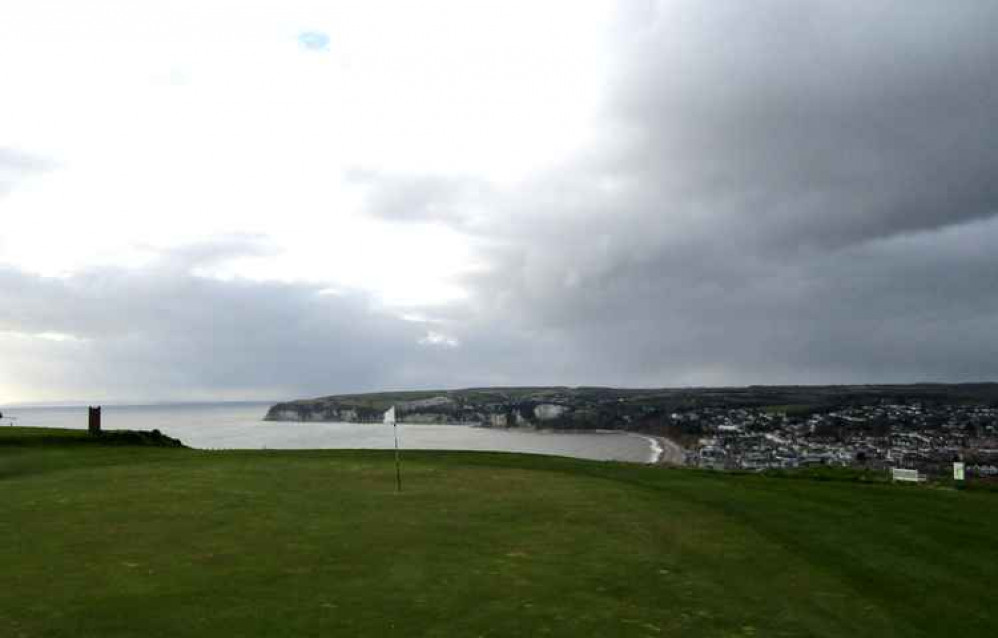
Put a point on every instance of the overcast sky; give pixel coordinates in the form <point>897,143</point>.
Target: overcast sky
<point>215,199</point>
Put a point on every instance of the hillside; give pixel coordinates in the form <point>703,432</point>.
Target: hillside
<point>122,541</point>
<point>608,408</point>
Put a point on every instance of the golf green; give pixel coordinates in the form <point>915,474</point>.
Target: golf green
<point>140,540</point>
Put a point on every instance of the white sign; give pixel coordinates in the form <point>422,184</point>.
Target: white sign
<point>902,474</point>
<point>958,471</point>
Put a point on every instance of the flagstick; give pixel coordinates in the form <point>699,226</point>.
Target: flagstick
<point>398,471</point>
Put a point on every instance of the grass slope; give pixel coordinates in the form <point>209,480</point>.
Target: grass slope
<point>120,541</point>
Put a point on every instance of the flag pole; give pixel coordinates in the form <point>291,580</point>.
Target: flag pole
<point>398,468</point>
<point>390,414</point>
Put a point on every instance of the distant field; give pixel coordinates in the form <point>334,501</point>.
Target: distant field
<point>128,540</point>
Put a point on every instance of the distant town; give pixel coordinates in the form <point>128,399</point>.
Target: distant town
<point>923,427</point>
<point>928,438</point>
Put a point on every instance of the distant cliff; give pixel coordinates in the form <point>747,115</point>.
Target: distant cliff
<point>499,407</point>
<point>647,410</point>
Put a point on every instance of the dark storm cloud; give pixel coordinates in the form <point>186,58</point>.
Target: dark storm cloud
<point>822,123</point>
<point>783,192</point>
<point>904,309</point>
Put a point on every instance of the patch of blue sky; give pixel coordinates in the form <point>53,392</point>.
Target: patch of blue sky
<point>314,40</point>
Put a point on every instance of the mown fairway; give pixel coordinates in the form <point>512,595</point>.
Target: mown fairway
<point>143,541</point>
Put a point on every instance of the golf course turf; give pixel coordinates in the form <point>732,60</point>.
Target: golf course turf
<point>141,540</point>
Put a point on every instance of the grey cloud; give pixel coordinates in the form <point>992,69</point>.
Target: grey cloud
<point>404,197</point>
<point>159,333</point>
<point>782,192</point>
<point>825,122</point>
<point>905,309</point>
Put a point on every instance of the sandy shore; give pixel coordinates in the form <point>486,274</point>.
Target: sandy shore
<point>663,451</point>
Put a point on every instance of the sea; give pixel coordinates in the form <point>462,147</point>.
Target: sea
<point>240,426</point>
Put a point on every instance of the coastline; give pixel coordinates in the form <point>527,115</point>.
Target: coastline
<point>663,451</point>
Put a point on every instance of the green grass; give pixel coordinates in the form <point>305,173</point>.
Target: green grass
<point>100,540</point>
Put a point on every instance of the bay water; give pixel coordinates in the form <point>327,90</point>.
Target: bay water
<point>241,426</point>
